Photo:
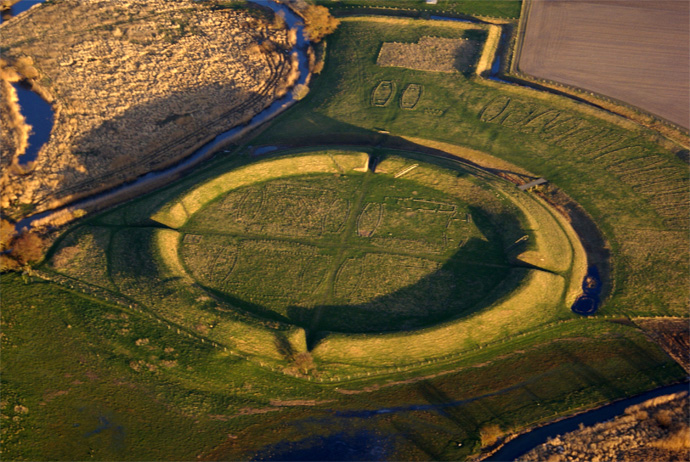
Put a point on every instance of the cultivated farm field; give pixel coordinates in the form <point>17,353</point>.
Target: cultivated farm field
<point>635,51</point>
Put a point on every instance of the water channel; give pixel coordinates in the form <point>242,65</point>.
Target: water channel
<point>278,106</point>
<point>367,445</point>
<point>19,7</point>
<point>42,129</point>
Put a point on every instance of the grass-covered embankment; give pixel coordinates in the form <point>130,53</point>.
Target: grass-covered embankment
<point>631,183</point>
<point>132,389</point>
<point>307,251</point>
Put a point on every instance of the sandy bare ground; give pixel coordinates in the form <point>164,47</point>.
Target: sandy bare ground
<point>637,51</point>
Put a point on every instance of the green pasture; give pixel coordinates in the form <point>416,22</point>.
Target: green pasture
<point>309,253</point>
<point>244,305</point>
<point>491,8</point>
<point>635,189</point>
<point>133,389</point>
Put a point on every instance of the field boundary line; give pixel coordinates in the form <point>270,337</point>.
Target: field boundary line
<point>598,100</point>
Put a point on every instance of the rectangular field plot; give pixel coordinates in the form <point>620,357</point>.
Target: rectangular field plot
<point>426,229</point>
<point>634,51</point>
<point>430,54</point>
<point>276,274</point>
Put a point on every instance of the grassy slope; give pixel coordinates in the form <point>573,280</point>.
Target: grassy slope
<point>131,389</point>
<point>138,263</point>
<point>167,413</point>
<point>635,189</point>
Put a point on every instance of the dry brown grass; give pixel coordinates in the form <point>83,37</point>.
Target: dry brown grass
<point>490,434</point>
<point>7,233</point>
<point>489,51</point>
<point>430,54</point>
<point>654,430</point>
<point>14,131</point>
<point>28,248</point>
<point>318,22</point>
<point>675,442</point>
<point>136,95</point>
<point>664,418</point>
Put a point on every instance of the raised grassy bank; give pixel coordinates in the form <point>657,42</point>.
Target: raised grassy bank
<point>313,254</point>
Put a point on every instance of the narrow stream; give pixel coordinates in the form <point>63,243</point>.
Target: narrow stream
<point>292,21</point>
<point>358,445</point>
<point>527,441</point>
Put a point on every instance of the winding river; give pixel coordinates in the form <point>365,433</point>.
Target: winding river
<point>157,178</point>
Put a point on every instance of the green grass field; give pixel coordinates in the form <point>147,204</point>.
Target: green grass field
<point>635,189</point>
<point>290,297</point>
<point>307,251</point>
<point>491,8</point>
<point>345,247</point>
<point>133,389</point>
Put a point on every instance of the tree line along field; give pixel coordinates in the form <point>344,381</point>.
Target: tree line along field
<point>162,367</point>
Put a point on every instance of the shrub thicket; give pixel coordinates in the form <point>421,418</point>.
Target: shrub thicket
<point>318,22</point>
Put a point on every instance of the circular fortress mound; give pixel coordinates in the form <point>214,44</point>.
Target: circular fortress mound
<point>312,252</point>
<point>347,253</point>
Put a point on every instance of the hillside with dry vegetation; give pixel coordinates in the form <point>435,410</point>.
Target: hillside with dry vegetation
<point>136,86</point>
<point>654,430</point>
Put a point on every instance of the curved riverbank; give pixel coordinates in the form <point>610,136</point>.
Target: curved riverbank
<point>539,435</point>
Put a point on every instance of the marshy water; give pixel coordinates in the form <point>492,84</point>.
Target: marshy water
<point>39,115</point>
<point>588,303</point>
<point>361,444</point>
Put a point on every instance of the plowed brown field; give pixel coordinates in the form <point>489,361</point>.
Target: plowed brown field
<point>637,51</point>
